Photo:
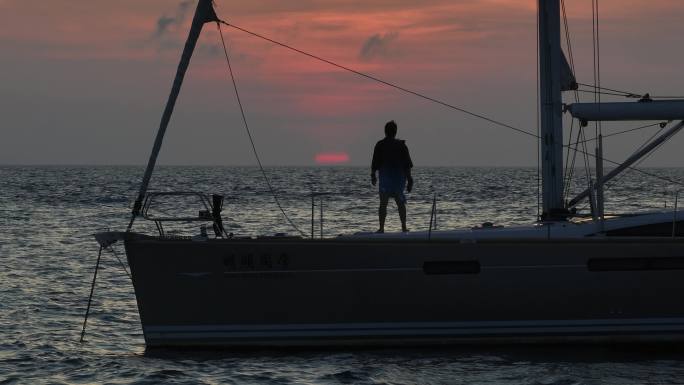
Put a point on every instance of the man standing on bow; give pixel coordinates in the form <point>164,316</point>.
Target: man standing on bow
<point>392,161</point>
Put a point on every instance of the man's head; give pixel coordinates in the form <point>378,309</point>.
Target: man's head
<point>391,129</point>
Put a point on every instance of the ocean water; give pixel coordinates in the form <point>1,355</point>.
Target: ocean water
<point>47,257</point>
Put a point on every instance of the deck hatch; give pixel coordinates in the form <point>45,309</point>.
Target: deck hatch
<point>451,267</point>
<point>636,264</point>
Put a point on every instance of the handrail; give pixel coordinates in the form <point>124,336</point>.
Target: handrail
<point>674,216</point>
<point>315,194</point>
<point>433,215</point>
<point>211,212</point>
<point>202,216</point>
<point>203,14</point>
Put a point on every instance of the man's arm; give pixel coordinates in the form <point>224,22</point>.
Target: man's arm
<point>407,158</point>
<point>408,164</point>
<point>409,180</point>
<point>375,164</point>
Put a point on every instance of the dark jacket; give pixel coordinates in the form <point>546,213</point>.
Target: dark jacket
<point>391,153</point>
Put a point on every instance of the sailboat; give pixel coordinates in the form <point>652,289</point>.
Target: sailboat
<point>560,279</point>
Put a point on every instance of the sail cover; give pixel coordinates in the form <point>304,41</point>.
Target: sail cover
<point>642,110</point>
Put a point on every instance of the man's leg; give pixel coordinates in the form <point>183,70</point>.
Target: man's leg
<point>401,205</point>
<point>382,212</point>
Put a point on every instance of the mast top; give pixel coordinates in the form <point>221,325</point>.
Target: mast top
<point>210,13</point>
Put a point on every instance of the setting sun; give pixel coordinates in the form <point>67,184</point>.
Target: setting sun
<point>332,158</point>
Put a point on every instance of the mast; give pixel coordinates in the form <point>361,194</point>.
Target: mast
<point>203,14</point>
<point>550,67</point>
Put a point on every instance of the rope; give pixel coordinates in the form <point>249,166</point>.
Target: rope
<point>113,251</point>
<point>90,297</point>
<point>249,134</point>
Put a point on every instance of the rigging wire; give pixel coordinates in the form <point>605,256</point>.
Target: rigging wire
<point>92,290</point>
<point>123,266</point>
<point>634,168</point>
<point>587,164</point>
<point>626,93</point>
<point>625,132</point>
<point>538,91</point>
<point>607,93</point>
<point>662,127</point>
<point>609,89</point>
<point>571,166</point>
<point>618,178</point>
<point>580,132</point>
<point>567,172</point>
<point>437,101</point>
<point>251,140</point>
<point>568,41</point>
<point>597,60</point>
<point>387,83</point>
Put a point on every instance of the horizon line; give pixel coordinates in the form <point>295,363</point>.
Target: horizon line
<point>281,165</point>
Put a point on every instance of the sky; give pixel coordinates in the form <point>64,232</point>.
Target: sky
<point>85,82</point>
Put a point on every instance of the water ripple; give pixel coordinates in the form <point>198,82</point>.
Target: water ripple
<point>47,255</point>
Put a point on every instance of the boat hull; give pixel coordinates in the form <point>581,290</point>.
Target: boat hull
<point>295,292</point>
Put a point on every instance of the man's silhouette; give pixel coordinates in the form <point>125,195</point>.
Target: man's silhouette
<point>392,161</point>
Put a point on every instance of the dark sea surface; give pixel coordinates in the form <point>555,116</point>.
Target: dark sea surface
<point>47,257</point>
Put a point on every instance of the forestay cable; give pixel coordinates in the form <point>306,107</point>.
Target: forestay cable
<point>387,83</point>
<point>420,95</point>
<point>249,134</point>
